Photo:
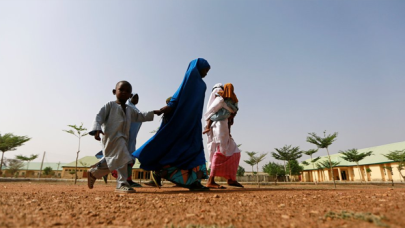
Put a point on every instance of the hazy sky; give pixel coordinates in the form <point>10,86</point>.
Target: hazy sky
<point>297,67</point>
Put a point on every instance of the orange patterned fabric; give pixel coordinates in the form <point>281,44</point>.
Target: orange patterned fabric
<point>228,92</point>
<point>184,178</point>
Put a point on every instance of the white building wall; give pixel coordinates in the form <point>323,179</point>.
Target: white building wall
<point>396,177</point>
<point>357,174</point>
<point>378,173</point>
<point>375,174</point>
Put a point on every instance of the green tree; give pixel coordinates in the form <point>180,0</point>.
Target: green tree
<point>310,153</point>
<point>327,164</point>
<point>287,153</point>
<point>48,171</point>
<point>322,165</point>
<point>368,171</point>
<point>255,160</point>
<point>27,159</point>
<point>397,156</point>
<point>305,163</point>
<point>240,172</point>
<point>10,142</point>
<point>294,167</point>
<point>14,165</point>
<point>274,169</point>
<point>251,160</point>
<point>71,172</point>
<point>79,134</point>
<point>259,159</point>
<point>324,143</point>
<point>352,155</point>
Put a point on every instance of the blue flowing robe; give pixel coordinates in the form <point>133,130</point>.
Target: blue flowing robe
<point>178,142</point>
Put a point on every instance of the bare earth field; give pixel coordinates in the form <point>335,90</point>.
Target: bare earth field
<point>26,204</point>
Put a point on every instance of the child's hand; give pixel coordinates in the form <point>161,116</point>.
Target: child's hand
<point>157,112</point>
<point>206,130</point>
<point>97,135</point>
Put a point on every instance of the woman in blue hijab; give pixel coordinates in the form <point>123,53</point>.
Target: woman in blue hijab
<point>176,151</point>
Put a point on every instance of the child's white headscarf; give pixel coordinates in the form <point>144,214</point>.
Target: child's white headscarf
<point>217,87</point>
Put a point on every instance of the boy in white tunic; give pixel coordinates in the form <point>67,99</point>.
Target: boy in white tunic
<point>116,118</point>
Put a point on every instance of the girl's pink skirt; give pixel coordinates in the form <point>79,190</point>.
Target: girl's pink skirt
<point>223,166</point>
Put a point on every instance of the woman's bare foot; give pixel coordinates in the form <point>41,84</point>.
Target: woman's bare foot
<point>211,182</point>
<point>216,186</point>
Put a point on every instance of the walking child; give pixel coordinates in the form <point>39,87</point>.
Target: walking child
<point>115,117</point>
<point>229,109</point>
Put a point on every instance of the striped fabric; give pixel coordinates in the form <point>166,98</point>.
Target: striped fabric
<point>223,166</point>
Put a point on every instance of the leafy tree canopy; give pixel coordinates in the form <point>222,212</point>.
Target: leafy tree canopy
<point>320,142</point>
<point>396,156</point>
<point>287,153</point>
<point>326,165</point>
<point>240,172</point>
<point>296,169</point>
<point>9,142</point>
<point>48,171</point>
<point>251,154</point>
<point>274,169</point>
<point>14,165</point>
<point>305,163</point>
<point>352,155</point>
<point>310,152</point>
<point>78,129</point>
<point>27,158</point>
<point>250,162</point>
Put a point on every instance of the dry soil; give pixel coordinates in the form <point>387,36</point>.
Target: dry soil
<point>37,204</point>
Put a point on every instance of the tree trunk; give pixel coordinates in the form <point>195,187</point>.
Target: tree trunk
<point>253,174</point>
<point>399,171</point>
<point>28,165</point>
<point>289,167</point>
<point>313,166</point>
<point>77,157</point>
<point>361,173</point>
<point>257,175</point>
<point>285,171</point>
<point>331,168</point>
<point>1,163</point>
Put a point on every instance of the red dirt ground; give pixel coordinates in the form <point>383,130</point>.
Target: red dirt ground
<point>25,204</point>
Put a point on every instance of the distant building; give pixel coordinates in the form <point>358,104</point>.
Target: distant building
<point>84,163</point>
<point>34,168</point>
<point>373,168</point>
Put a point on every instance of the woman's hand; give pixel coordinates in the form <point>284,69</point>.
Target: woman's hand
<point>157,112</point>
<point>166,110</point>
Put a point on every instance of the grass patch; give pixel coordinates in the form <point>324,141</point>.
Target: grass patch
<point>365,216</point>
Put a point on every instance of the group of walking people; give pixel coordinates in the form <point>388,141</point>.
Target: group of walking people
<point>176,151</point>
